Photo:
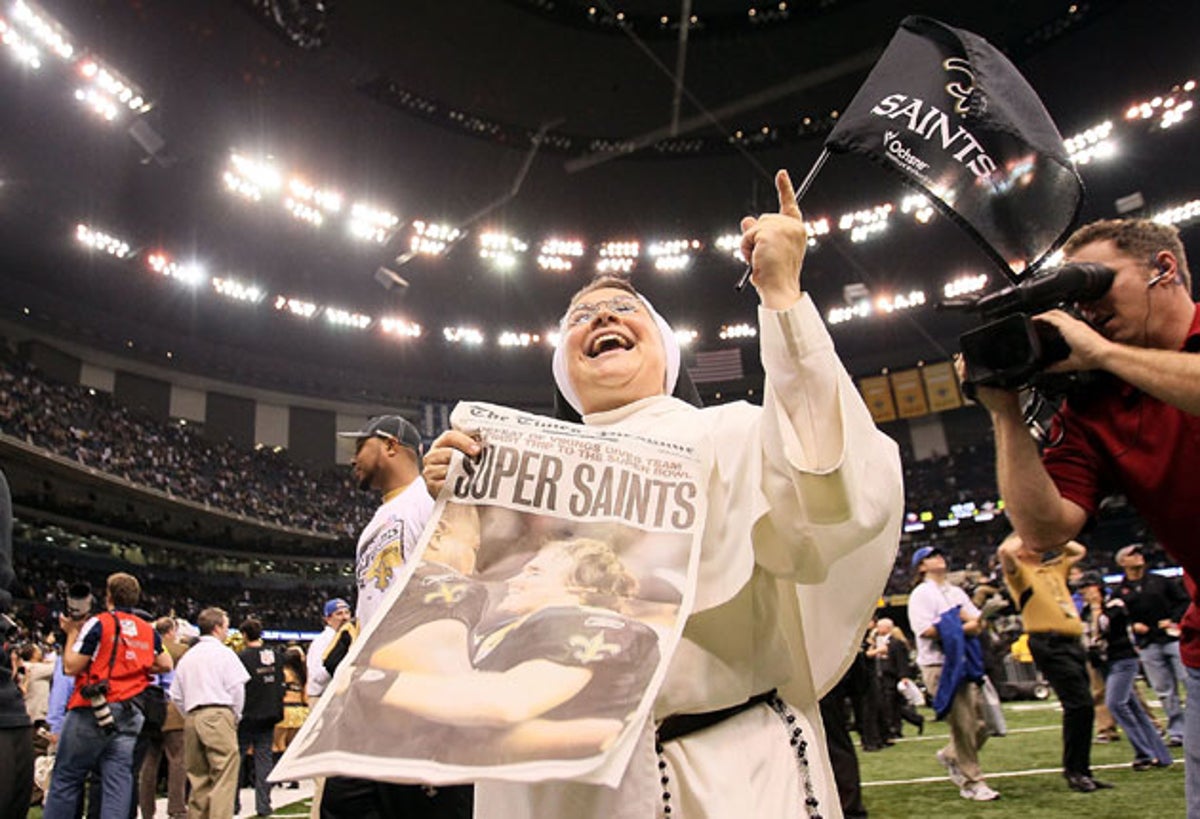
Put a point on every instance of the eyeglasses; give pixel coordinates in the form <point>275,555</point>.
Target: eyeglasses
<point>618,305</point>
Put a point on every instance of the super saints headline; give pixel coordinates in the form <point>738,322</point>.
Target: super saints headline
<point>569,470</point>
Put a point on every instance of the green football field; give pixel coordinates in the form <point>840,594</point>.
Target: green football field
<point>905,781</point>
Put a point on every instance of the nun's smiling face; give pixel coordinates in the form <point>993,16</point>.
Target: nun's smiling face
<point>613,350</point>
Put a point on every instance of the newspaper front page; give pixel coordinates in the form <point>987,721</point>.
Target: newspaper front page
<point>532,629</point>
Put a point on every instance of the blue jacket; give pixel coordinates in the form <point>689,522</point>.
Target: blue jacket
<point>963,663</point>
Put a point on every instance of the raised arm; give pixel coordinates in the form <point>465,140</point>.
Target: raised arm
<point>1041,516</point>
<point>831,480</point>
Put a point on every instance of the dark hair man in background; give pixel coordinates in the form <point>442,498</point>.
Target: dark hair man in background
<point>1155,605</point>
<point>1135,430</point>
<point>263,708</point>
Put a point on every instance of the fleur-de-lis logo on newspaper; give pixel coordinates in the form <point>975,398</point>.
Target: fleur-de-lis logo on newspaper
<point>960,91</point>
<point>592,649</point>
<point>448,593</point>
<point>385,563</point>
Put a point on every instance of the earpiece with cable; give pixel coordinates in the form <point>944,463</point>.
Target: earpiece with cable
<point>1163,272</point>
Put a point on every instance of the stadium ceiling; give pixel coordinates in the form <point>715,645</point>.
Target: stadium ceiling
<point>434,110</point>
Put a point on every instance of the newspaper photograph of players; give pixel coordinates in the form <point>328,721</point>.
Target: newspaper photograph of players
<point>536,620</point>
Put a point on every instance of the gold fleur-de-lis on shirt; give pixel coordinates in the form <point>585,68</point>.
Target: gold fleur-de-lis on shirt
<point>448,593</point>
<point>592,649</point>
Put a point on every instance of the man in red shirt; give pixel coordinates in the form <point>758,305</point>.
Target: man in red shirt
<point>112,655</point>
<point>1135,431</point>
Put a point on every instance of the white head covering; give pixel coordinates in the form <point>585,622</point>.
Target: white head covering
<point>670,349</point>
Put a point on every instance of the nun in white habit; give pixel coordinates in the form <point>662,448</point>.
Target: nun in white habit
<point>804,511</point>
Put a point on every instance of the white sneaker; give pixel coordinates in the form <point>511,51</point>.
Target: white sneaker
<point>952,770</point>
<point>979,792</point>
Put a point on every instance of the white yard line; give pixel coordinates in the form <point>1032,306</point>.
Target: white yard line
<point>992,775</point>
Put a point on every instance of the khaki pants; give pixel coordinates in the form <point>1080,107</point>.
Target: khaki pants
<point>210,749</point>
<point>968,732</point>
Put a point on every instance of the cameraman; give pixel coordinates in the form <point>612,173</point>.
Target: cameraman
<point>103,720</point>
<point>1135,431</point>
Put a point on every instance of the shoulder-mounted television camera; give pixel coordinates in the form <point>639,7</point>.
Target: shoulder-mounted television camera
<point>74,600</point>
<point>1011,349</point>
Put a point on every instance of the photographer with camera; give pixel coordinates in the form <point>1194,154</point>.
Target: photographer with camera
<point>1134,429</point>
<point>112,656</point>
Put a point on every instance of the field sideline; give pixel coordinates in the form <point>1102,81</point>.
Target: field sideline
<point>905,781</point>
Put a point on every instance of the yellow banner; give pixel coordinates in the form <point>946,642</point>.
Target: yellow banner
<point>910,395</point>
<point>941,385</point>
<point>877,393</point>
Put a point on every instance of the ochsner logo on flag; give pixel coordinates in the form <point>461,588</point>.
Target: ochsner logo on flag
<point>935,126</point>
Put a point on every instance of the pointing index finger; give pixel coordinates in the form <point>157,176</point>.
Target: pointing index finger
<point>787,195</point>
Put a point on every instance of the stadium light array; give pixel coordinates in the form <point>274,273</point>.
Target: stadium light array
<point>839,315</point>
<point>686,336</point>
<point>400,328</point>
<point>1169,108</point>
<point>901,301</point>
<point>918,205</point>
<point>672,255</point>
<point>964,285</point>
<point>21,49</point>
<point>192,275</point>
<point>814,228</point>
<point>556,254</point>
<point>99,104</point>
<point>618,257</point>
<point>296,307</point>
<point>881,305</point>
<point>371,223</point>
<point>99,240</point>
<point>304,213</point>
<point>510,338</point>
<point>1180,214</point>
<point>42,28</point>
<point>732,331</point>
<point>341,317</point>
<point>106,81</point>
<point>861,233</point>
<point>501,249</point>
<point>463,335</point>
<point>867,222</point>
<point>731,243</point>
<point>328,200</point>
<point>262,176</point>
<point>237,291</point>
<point>1093,143</point>
<point>431,238</point>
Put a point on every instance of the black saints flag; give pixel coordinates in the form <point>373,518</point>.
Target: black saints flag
<point>953,117</point>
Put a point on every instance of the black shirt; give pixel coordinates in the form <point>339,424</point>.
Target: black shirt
<point>1150,599</point>
<point>264,689</point>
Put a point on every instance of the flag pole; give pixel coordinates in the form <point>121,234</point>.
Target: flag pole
<point>803,189</point>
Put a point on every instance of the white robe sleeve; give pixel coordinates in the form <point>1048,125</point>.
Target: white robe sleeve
<point>832,489</point>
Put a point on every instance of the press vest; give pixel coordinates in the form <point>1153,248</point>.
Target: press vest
<point>131,668</point>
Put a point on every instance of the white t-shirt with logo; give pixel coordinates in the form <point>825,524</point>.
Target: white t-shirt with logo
<point>925,606</point>
<point>387,543</point>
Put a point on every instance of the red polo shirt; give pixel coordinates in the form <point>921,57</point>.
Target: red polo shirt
<point>1115,438</point>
